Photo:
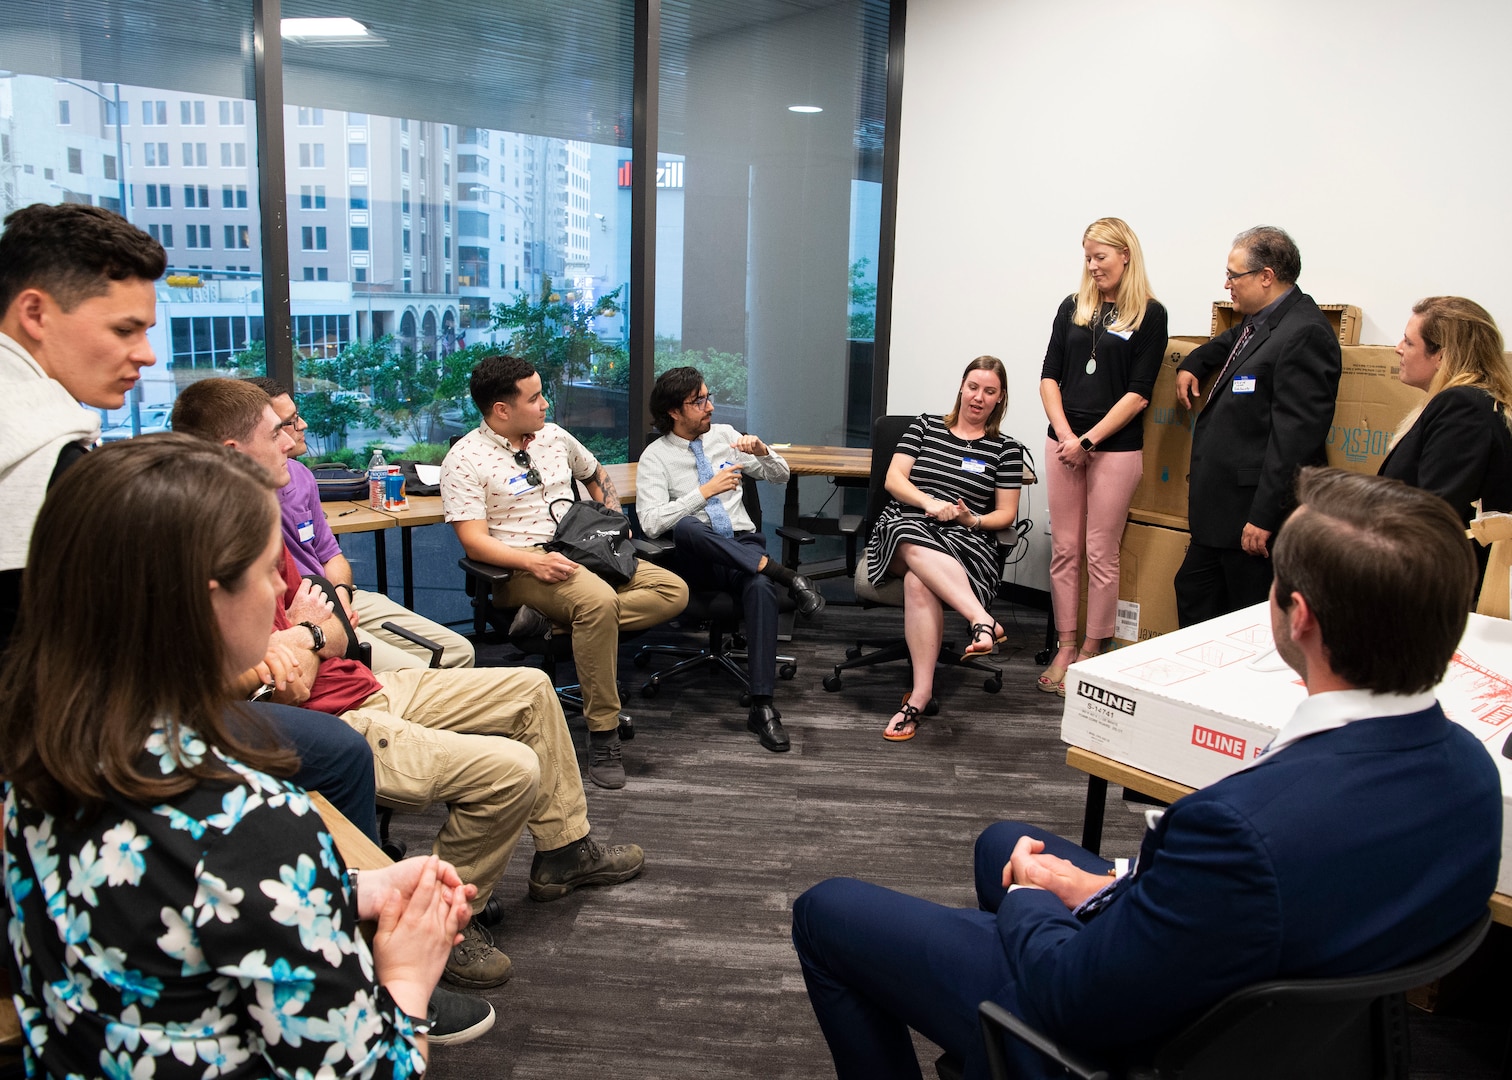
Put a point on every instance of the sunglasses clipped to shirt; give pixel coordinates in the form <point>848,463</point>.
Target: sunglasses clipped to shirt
<point>532,474</point>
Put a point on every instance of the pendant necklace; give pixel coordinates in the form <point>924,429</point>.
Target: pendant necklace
<point>1105,321</point>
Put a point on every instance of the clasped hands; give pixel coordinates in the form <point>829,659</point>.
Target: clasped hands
<point>941,510</point>
<point>1030,867</point>
<point>421,906</point>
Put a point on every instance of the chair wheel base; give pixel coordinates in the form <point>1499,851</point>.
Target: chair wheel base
<point>832,683</point>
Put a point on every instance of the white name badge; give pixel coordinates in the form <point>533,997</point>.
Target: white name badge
<point>1244,384</point>
<point>1123,335</point>
<point>306,531</point>
<point>518,485</point>
<point>973,465</point>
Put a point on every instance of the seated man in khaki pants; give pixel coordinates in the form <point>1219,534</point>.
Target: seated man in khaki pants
<point>491,743</point>
<point>497,486</point>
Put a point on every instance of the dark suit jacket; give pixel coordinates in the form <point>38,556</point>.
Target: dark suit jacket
<point>1247,447</point>
<point>1350,851</point>
<point>1460,448</point>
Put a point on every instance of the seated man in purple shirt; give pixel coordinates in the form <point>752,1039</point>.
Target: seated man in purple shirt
<point>316,551</point>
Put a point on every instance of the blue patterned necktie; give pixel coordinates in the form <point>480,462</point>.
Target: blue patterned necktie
<point>719,520</point>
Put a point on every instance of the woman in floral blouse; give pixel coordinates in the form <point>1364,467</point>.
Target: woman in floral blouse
<point>175,910</point>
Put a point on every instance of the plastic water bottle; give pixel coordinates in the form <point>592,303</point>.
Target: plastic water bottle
<point>377,471</point>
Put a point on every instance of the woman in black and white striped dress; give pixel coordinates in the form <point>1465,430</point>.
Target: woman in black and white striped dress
<point>954,481</point>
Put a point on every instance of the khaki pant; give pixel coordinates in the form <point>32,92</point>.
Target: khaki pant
<point>392,652</point>
<point>596,612</point>
<point>491,743</point>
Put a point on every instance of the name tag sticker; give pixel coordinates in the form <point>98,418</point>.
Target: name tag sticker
<point>973,465</point>
<point>306,530</point>
<point>1244,384</point>
<point>1121,334</point>
<point>518,485</point>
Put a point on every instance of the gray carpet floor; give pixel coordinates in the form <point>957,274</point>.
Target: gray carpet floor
<point>688,972</point>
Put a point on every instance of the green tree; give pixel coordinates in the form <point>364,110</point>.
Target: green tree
<point>330,390</point>
<point>555,333</point>
<point>863,302</point>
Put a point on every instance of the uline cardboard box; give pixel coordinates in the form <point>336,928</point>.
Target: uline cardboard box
<point>1196,704</point>
<point>1344,318</point>
<point>1372,401</point>
<point>1148,558</point>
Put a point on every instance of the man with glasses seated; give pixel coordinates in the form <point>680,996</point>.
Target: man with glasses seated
<point>1267,414</point>
<point>688,483</point>
<point>315,551</point>
<point>497,486</point>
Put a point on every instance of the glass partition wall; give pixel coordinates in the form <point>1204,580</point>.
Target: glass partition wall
<point>457,180</point>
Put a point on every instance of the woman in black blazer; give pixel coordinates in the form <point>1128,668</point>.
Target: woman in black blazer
<point>1458,445</point>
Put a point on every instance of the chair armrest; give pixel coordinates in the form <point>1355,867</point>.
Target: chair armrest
<point>483,571</point>
<point>795,534</point>
<point>997,1020</point>
<point>653,547</point>
<point>850,524</point>
<point>435,648</point>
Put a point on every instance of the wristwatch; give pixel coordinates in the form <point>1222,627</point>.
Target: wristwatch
<point>420,1025</point>
<point>317,635</point>
<point>1087,444</point>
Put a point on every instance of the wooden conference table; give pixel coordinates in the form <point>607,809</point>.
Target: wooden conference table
<point>1101,769</point>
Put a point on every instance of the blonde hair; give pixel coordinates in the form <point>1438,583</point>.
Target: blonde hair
<point>1134,293</point>
<point>994,418</point>
<point>1469,346</point>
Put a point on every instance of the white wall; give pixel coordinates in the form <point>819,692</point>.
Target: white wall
<point>1377,132</point>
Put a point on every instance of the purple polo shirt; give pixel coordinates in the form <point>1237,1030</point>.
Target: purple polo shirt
<point>305,532</point>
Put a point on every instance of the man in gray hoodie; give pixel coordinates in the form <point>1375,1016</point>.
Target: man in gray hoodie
<point>76,301</point>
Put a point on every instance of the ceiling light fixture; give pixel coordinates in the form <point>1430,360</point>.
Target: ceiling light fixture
<point>804,108</point>
<point>331,31</point>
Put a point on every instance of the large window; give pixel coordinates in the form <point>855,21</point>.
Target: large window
<point>67,74</point>
<point>445,209</point>
<point>768,214</point>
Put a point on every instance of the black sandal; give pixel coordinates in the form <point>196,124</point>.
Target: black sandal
<point>977,630</point>
<point>911,714</point>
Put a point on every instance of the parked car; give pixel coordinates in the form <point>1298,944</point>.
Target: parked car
<point>154,418</point>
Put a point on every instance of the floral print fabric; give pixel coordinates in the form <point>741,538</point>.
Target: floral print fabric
<point>213,935</point>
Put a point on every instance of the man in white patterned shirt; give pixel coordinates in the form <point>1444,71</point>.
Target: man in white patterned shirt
<point>688,483</point>
<point>497,486</point>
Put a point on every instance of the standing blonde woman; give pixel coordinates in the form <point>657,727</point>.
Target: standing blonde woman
<point>1458,444</point>
<point>1100,367</point>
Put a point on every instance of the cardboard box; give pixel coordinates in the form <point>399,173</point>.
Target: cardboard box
<point>1372,401</point>
<point>1161,498</point>
<point>1148,558</point>
<point>1344,318</point>
<point>1196,704</point>
<point>1496,590</point>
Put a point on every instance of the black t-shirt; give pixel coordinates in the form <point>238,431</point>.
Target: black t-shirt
<point>1126,363</point>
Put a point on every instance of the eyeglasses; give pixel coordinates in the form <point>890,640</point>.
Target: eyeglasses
<point>532,474</point>
<point>701,401</point>
<point>295,423</point>
<point>1231,277</point>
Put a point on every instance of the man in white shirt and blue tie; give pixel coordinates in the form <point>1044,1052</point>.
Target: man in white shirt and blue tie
<point>688,484</point>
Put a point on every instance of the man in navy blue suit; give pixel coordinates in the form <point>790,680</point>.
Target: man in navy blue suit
<point>1367,834</point>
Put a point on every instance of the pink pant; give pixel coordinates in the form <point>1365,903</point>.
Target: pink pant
<point>1088,508</point>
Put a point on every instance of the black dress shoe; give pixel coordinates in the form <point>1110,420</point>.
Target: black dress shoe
<point>810,600</point>
<point>766,723</point>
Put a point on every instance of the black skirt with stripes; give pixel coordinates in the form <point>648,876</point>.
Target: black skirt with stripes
<point>950,468</point>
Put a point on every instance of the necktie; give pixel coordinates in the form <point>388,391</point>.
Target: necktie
<point>719,520</point>
<point>1244,336</point>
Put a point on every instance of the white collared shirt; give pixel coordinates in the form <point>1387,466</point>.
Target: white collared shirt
<point>666,480</point>
<point>1335,708</point>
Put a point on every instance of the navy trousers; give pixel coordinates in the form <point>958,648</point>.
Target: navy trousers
<point>878,962</point>
<point>706,560</point>
<point>334,760</point>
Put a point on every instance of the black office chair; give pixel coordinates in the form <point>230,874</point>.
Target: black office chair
<point>1302,1029</point>
<point>721,613</point>
<point>886,431</point>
